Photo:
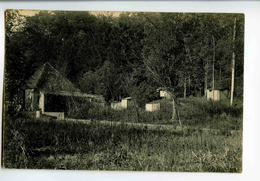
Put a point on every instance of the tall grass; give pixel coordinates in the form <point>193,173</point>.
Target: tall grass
<point>211,114</point>
<point>48,144</point>
<point>89,110</point>
<point>196,112</point>
<point>69,145</point>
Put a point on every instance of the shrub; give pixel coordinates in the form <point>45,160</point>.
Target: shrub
<point>89,110</point>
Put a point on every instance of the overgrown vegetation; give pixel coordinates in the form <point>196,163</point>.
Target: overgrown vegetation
<point>197,112</point>
<point>118,56</point>
<point>68,145</point>
<point>48,144</point>
<point>127,55</point>
<point>212,114</point>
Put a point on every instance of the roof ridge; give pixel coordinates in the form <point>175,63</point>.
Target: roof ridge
<point>41,70</point>
<point>43,75</point>
<point>47,63</point>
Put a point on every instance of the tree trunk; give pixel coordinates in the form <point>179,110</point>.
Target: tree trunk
<point>213,68</point>
<point>233,64</point>
<point>174,115</point>
<point>137,110</point>
<point>189,85</point>
<point>173,110</point>
<point>185,88</point>
<point>220,76</point>
<point>206,80</point>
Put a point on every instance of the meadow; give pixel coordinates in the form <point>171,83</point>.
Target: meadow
<point>194,112</point>
<point>48,144</point>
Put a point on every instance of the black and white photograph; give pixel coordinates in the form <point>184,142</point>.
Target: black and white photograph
<point>123,91</point>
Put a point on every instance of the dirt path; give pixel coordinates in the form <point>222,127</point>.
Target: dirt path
<point>145,125</point>
<point>149,126</point>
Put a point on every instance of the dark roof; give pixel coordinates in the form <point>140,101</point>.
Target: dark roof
<point>218,88</point>
<point>127,98</point>
<point>49,80</point>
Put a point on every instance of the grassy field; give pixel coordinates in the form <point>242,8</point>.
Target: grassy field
<point>68,145</point>
<point>194,112</point>
<point>43,144</point>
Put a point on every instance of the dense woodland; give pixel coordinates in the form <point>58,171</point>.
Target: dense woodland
<point>127,55</point>
<point>132,54</point>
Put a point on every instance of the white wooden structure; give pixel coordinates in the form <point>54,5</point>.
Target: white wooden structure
<point>58,115</point>
<point>217,95</point>
<point>151,107</point>
<point>165,94</point>
<point>116,105</point>
<point>125,102</point>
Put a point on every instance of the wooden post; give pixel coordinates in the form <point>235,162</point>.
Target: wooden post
<point>206,80</point>
<point>233,65</point>
<point>213,86</point>
<point>185,88</point>
<point>41,101</point>
<point>220,76</point>
<point>173,110</point>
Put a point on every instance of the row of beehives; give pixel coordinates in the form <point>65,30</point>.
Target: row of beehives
<point>150,107</point>
<point>123,104</point>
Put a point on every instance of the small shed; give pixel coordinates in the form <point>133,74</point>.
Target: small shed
<point>116,105</point>
<point>125,102</point>
<point>152,106</point>
<point>46,90</point>
<point>164,93</point>
<point>217,94</point>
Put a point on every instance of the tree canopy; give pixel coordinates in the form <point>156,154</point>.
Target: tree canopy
<point>125,55</point>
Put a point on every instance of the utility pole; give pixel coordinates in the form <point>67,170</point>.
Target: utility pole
<point>213,82</point>
<point>206,79</point>
<point>185,87</point>
<point>233,63</point>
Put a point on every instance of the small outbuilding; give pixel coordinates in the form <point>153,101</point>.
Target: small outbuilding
<point>152,106</point>
<point>164,93</point>
<point>125,102</point>
<point>116,105</point>
<point>46,89</point>
<point>218,94</point>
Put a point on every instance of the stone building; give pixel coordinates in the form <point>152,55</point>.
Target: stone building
<point>46,90</point>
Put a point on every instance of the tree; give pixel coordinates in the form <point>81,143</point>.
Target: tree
<point>97,53</point>
<point>17,68</point>
<point>233,64</point>
<point>161,52</point>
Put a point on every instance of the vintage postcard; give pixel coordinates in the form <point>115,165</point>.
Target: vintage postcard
<point>132,91</point>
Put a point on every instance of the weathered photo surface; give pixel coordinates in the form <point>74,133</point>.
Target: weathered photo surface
<point>133,91</point>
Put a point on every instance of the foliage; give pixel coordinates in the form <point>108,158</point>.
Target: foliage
<point>129,55</point>
<point>194,112</point>
<point>75,145</point>
<point>199,112</point>
<point>98,53</point>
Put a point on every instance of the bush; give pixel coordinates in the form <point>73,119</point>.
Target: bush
<point>89,110</point>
